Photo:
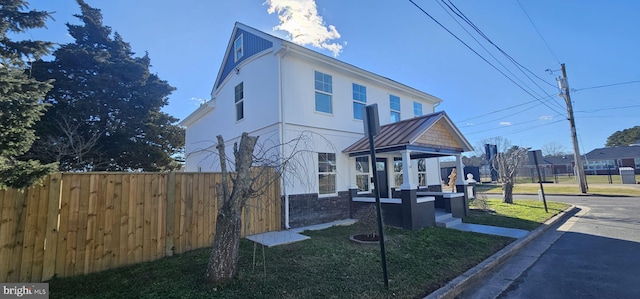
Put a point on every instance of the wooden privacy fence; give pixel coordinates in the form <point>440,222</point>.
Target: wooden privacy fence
<point>78,223</point>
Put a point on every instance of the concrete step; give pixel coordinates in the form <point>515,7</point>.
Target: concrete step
<point>442,216</point>
<point>449,222</point>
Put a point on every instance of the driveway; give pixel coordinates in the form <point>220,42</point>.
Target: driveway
<point>595,254</point>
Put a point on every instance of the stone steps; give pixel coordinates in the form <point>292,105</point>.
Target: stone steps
<point>447,221</point>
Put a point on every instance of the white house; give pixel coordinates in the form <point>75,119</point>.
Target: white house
<point>298,100</point>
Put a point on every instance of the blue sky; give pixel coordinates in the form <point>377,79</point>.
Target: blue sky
<point>597,40</point>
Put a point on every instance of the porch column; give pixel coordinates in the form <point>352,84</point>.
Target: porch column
<point>408,181</point>
<point>460,179</point>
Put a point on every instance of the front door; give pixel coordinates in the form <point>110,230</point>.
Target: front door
<point>381,168</point>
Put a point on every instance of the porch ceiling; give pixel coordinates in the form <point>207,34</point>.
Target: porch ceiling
<point>431,135</point>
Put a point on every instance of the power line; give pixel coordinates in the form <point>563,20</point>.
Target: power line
<point>538,31</point>
<point>478,54</point>
<point>460,14</point>
<point>512,125</point>
<point>607,85</point>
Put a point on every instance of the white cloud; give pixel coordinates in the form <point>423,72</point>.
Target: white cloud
<point>300,19</point>
<point>505,123</point>
<point>470,124</point>
<point>546,117</point>
<point>198,101</point>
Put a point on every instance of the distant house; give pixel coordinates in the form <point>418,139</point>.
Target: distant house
<point>280,91</point>
<point>609,159</point>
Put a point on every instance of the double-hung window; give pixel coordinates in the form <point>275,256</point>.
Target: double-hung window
<point>359,100</point>
<point>394,102</point>
<point>239,91</point>
<point>326,173</point>
<point>397,172</point>
<point>324,90</point>
<point>417,109</point>
<point>238,48</point>
<point>422,172</point>
<point>362,173</point>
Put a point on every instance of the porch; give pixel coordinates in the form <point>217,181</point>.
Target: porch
<point>407,168</point>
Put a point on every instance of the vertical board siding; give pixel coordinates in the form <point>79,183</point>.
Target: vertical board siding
<point>80,223</point>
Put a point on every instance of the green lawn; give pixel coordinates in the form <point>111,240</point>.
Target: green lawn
<point>522,214</point>
<point>569,189</point>
<point>326,266</point>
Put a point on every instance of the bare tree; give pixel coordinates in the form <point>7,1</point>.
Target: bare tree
<point>257,166</point>
<point>553,149</point>
<point>506,163</point>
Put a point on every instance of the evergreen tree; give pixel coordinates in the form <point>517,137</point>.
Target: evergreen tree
<point>105,105</point>
<point>20,94</point>
<point>625,137</point>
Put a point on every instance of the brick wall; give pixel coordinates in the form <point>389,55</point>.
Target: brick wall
<point>309,209</point>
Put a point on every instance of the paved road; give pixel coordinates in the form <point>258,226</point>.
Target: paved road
<point>595,254</point>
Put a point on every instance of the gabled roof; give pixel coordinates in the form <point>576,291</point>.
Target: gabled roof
<point>426,136</point>
<point>612,153</point>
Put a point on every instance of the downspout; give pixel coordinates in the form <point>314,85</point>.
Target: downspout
<point>282,147</point>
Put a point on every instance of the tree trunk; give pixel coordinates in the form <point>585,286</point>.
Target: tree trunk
<point>223,261</point>
<point>507,192</point>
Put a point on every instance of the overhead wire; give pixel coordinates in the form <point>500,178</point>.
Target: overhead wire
<point>538,31</point>
<point>607,85</point>
<point>478,54</point>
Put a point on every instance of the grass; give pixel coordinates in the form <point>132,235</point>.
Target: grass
<point>529,188</point>
<point>326,266</point>
<point>522,214</point>
<point>591,179</point>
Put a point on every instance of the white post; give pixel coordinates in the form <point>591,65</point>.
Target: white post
<point>408,182</point>
<point>460,167</point>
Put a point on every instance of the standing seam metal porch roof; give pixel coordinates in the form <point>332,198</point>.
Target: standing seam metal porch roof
<point>416,134</point>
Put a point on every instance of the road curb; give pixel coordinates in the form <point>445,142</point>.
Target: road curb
<point>467,279</point>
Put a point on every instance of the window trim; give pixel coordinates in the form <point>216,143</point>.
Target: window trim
<point>334,172</point>
<point>239,100</point>
<point>358,101</point>
<point>415,105</point>
<point>397,174</point>
<point>238,49</point>
<point>368,174</point>
<point>392,111</point>
<point>323,92</point>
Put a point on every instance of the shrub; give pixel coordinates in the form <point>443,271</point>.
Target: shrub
<point>367,220</point>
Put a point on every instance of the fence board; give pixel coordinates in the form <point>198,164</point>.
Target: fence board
<point>28,245</point>
<point>131,222</point>
<point>114,251</point>
<point>170,213</point>
<point>41,229</point>
<point>63,225</point>
<point>7,233</point>
<point>72,224</point>
<point>83,212</point>
<point>92,224</point>
<point>123,254</point>
<point>140,220</point>
<point>51,238</point>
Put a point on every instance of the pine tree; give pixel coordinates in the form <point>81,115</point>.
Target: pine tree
<point>105,105</point>
<point>20,94</point>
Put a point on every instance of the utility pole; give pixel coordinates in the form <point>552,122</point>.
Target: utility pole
<point>563,83</point>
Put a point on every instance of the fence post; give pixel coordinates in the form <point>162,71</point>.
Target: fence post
<point>51,238</point>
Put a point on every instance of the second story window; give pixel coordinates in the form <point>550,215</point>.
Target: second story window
<point>239,91</point>
<point>417,109</point>
<point>359,100</point>
<point>238,48</point>
<point>324,91</point>
<point>394,102</point>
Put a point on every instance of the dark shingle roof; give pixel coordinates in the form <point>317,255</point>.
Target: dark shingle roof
<point>611,153</point>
